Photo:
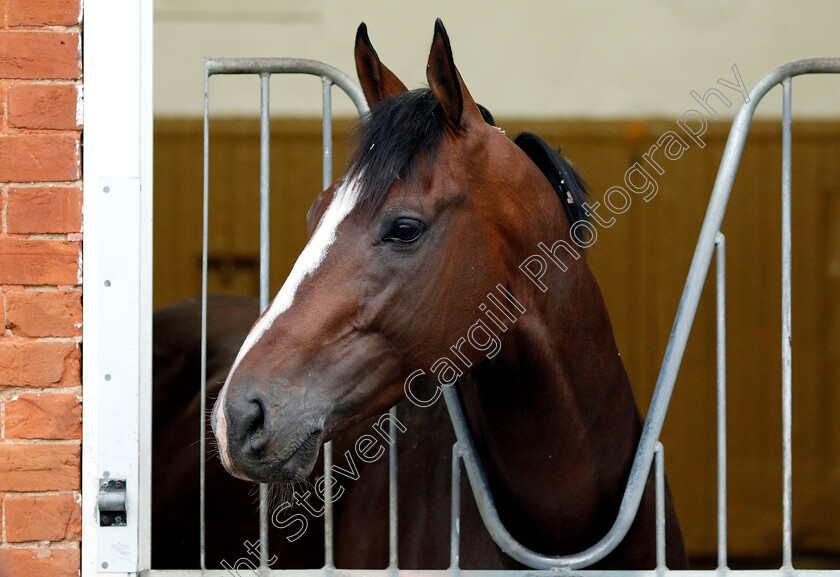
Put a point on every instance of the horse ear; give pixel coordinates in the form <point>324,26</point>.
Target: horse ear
<point>378,83</point>
<point>446,82</point>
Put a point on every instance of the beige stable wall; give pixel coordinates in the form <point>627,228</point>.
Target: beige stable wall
<point>537,59</point>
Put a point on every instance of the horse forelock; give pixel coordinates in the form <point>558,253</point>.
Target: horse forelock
<point>397,133</point>
<point>391,140</point>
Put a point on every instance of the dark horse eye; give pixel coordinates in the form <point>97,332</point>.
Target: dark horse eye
<point>404,231</point>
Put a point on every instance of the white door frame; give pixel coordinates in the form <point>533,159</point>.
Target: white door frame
<point>117,278</point>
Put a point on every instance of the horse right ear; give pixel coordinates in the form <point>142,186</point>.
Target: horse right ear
<point>446,82</point>
<point>378,83</point>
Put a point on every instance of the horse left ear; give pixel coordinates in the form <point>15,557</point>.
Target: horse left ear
<point>446,82</point>
<point>378,82</point>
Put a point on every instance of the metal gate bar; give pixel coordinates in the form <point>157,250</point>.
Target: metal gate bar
<point>660,506</point>
<point>720,313</point>
<point>675,349</point>
<point>649,447</point>
<point>455,515</point>
<point>265,67</point>
<point>787,531</point>
<point>325,572</point>
<point>265,168</point>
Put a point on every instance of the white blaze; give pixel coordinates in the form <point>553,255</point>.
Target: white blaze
<point>310,259</point>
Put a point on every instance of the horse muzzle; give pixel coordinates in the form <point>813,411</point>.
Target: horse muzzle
<point>257,444</point>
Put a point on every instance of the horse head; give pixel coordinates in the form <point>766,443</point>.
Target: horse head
<point>436,209</point>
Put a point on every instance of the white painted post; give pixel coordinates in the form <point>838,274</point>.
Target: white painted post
<point>116,378</point>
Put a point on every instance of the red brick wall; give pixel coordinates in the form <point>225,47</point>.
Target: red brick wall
<point>40,292</point>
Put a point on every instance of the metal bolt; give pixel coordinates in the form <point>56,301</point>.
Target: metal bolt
<point>118,484</point>
<point>107,283</point>
<point>104,564</point>
<point>118,519</point>
<point>107,189</point>
<point>106,519</point>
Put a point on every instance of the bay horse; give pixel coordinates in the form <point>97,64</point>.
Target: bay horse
<point>424,473</point>
<point>437,211</point>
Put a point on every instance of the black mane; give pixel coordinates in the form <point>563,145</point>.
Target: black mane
<point>567,183</point>
<point>399,131</point>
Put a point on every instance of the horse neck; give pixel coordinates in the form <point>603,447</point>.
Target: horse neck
<point>554,415</point>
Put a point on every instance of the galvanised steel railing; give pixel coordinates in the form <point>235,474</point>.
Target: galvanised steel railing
<point>265,68</point>
<point>710,240</point>
<point>710,236</point>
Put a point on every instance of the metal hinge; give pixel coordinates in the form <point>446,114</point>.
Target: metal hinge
<point>111,502</point>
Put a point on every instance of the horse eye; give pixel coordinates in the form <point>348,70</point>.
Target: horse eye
<point>404,231</point>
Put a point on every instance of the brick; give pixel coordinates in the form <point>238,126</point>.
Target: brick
<point>40,54</point>
<point>38,364</point>
<point>39,262</point>
<point>39,467</point>
<point>4,90</point>
<point>41,561</point>
<point>39,157</point>
<point>44,313</point>
<point>55,209</point>
<point>42,518</point>
<point>44,416</point>
<point>43,12</point>
<point>44,106</point>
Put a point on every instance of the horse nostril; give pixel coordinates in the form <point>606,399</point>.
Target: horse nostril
<point>256,435</point>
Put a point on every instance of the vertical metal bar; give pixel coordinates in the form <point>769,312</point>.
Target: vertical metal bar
<point>326,132</point>
<point>660,507</point>
<point>264,189</point>
<point>455,518</point>
<point>265,137</point>
<point>393,558</point>
<point>329,556</point>
<point>264,525</point>
<point>787,530</point>
<point>720,261</point>
<point>326,140</point>
<point>204,250</point>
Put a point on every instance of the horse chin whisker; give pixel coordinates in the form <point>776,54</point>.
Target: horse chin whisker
<point>282,492</point>
<point>277,495</point>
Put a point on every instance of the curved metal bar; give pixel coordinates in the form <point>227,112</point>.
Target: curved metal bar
<point>289,66</point>
<point>670,364</point>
